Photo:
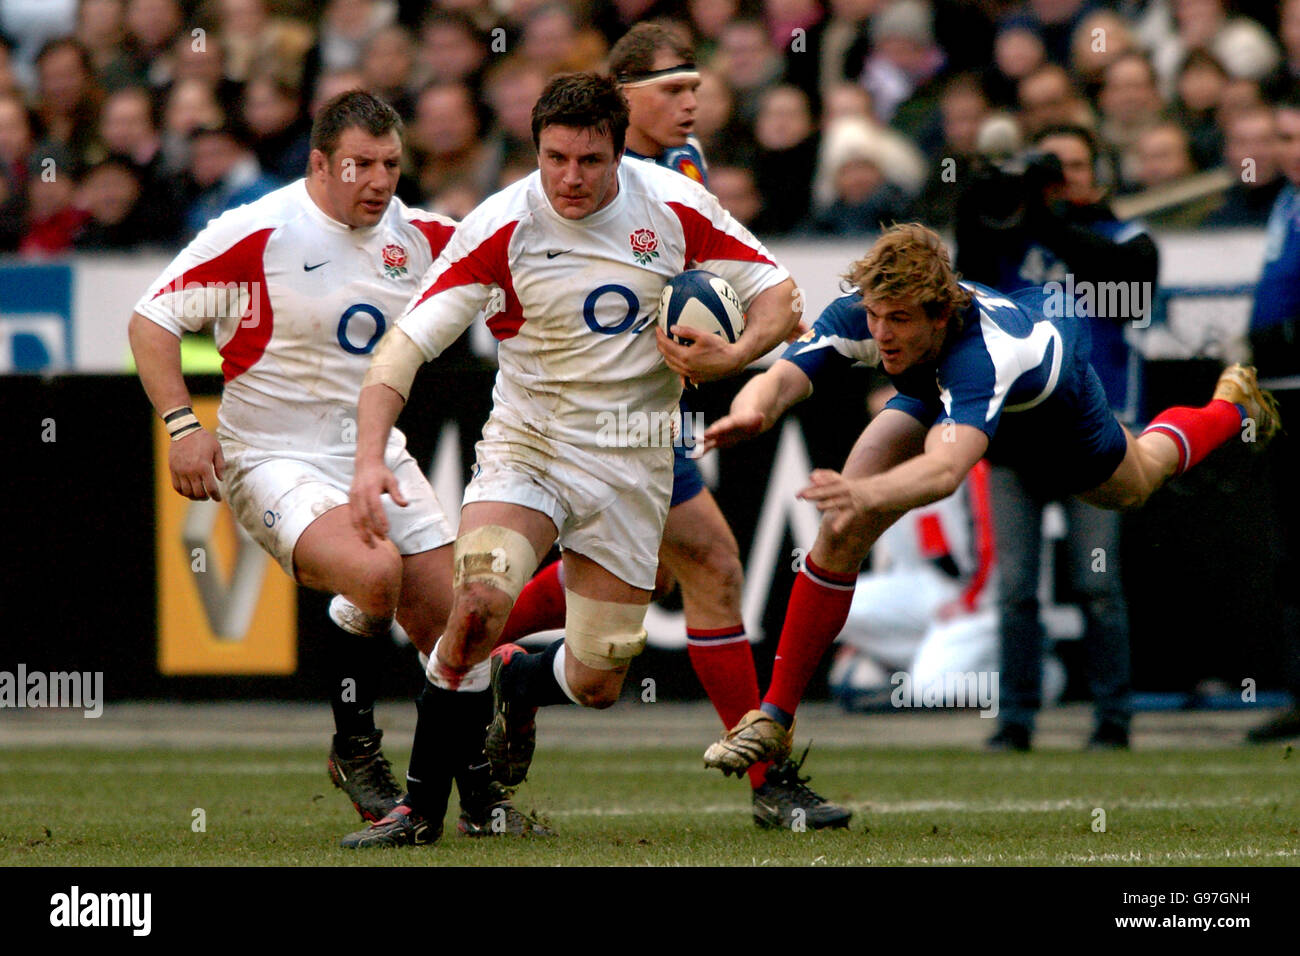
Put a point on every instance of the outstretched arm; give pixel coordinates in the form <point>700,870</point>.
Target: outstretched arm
<point>756,408</point>
<point>950,452</point>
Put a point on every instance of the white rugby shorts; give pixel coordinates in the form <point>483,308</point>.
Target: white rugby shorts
<point>608,505</point>
<point>275,497</point>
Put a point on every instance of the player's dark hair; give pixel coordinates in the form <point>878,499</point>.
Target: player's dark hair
<point>353,108</point>
<point>633,55</point>
<point>583,101</point>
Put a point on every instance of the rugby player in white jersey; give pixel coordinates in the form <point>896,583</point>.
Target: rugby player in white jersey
<point>656,70</point>
<point>569,263</point>
<point>301,285</point>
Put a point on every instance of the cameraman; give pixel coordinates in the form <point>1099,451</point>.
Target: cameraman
<point>1038,219</point>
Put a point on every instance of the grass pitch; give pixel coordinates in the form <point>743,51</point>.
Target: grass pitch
<point>100,802</point>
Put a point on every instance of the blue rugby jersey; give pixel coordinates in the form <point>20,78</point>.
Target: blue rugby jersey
<point>1117,365</point>
<point>687,159</point>
<point>1008,358</point>
<point>1277,297</point>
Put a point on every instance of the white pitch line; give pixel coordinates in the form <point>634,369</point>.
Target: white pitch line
<point>943,806</point>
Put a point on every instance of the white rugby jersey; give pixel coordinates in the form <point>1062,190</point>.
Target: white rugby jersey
<point>573,303</point>
<point>299,302</point>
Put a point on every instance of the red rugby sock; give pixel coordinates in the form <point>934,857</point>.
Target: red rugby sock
<point>1198,431</point>
<point>818,607</point>
<point>724,663</point>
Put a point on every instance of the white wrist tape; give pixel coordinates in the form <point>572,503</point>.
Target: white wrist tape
<point>181,422</point>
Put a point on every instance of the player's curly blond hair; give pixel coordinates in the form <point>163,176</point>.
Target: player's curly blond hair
<point>910,261</point>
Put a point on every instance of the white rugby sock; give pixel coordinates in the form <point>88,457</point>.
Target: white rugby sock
<point>557,668</point>
<point>476,678</point>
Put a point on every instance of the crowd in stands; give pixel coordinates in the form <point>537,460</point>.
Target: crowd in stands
<point>129,123</point>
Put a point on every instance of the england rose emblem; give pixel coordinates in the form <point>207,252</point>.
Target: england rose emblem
<point>394,257</point>
<point>645,246</point>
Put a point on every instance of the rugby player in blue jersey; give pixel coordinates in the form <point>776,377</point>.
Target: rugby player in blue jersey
<point>978,374</point>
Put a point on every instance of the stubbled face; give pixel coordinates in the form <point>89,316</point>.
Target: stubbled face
<point>664,111</point>
<point>357,182</point>
<point>905,335</point>
<point>579,169</point>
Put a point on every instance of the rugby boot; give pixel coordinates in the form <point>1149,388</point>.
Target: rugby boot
<point>1238,384</point>
<point>404,826</point>
<point>756,737</point>
<point>498,816</point>
<point>358,768</point>
<point>785,801</point>
<point>512,734</point>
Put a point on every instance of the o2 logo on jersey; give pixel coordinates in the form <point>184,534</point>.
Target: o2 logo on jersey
<point>346,341</point>
<point>626,323</point>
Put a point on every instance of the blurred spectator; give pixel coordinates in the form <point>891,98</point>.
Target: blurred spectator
<point>964,108</point>
<point>447,144</point>
<point>452,50</point>
<point>101,29</point>
<point>69,99</point>
<point>1201,83</point>
<point>345,27</point>
<point>1164,156</point>
<point>191,104</point>
<point>203,58</point>
<point>613,18</point>
<point>853,197</point>
<point>786,157</point>
<point>1130,102</point>
<point>555,40</point>
<point>1100,39</point>
<point>253,39</point>
<point>708,17</point>
<point>152,28</point>
<point>110,193</point>
<point>331,84</point>
<point>15,147</point>
<point>1240,44</point>
<point>30,24</point>
<point>901,72</point>
<point>8,79</point>
<point>52,220</point>
<point>386,66</point>
<point>1017,52</point>
<point>512,87</point>
<point>747,63</point>
<point>737,192</point>
<point>723,137</point>
<point>127,129</point>
<point>845,99</point>
<point>792,26</point>
<point>226,173</point>
<point>1284,82</point>
<point>1250,153</point>
<point>1239,96</point>
<point>1054,21</point>
<point>457,199</point>
<point>1048,98</point>
<point>277,121</point>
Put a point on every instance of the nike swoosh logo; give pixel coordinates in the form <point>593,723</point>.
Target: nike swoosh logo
<point>553,253</point>
<point>307,268</point>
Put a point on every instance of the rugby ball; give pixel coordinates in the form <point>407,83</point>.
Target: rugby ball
<point>701,300</point>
